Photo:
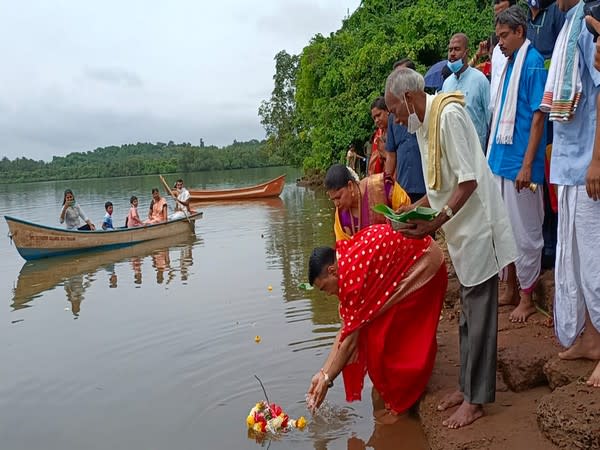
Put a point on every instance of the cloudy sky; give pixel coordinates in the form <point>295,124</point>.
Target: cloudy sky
<point>81,74</point>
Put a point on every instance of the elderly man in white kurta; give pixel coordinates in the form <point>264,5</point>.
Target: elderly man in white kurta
<point>478,233</point>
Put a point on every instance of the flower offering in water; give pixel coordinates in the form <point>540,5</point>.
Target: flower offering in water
<point>270,418</point>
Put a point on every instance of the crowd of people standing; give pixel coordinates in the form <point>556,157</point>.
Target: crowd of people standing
<point>511,161</point>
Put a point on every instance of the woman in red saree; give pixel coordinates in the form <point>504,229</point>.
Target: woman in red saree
<point>354,200</point>
<point>390,291</point>
<point>379,114</point>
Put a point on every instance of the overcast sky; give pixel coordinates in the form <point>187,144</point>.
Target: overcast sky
<point>78,74</point>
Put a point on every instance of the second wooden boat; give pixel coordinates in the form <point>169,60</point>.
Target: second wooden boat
<point>271,188</point>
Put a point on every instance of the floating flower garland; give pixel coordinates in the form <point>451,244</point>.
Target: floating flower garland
<point>270,418</point>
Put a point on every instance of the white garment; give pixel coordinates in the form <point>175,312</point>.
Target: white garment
<point>577,273</point>
<point>503,126</point>
<point>479,236</point>
<point>498,64</point>
<point>177,215</point>
<point>525,211</point>
<point>183,196</point>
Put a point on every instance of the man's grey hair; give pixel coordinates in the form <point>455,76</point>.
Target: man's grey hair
<point>514,17</point>
<point>404,80</point>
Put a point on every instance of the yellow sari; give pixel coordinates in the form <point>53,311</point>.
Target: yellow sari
<point>374,189</point>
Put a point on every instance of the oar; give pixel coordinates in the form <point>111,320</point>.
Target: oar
<point>170,191</point>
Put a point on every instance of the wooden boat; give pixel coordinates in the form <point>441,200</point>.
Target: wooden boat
<point>39,276</point>
<point>34,241</point>
<point>271,188</point>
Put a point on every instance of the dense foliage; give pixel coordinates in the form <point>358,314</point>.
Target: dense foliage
<point>138,159</point>
<point>337,77</point>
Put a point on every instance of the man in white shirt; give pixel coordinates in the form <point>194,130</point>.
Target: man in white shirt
<point>480,242</point>
<point>182,203</point>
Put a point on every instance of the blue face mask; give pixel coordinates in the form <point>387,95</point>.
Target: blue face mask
<point>455,66</point>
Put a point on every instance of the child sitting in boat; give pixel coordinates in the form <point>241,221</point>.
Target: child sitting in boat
<point>133,219</point>
<point>107,223</point>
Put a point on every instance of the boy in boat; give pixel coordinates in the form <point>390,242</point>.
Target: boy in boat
<point>107,221</point>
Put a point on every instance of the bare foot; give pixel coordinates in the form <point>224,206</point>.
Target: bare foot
<point>509,297</point>
<point>450,400</point>
<point>389,418</point>
<point>525,309</point>
<point>521,313</point>
<point>594,379</point>
<point>582,348</point>
<point>466,414</point>
<point>509,293</point>
<point>378,413</point>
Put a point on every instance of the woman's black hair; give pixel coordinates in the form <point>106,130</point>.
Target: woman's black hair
<point>68,191</point>
<point>154,190</point>
<point>320,259</point>
<point>337,177</point>
<point>379,103</point>
<point>133,197</point>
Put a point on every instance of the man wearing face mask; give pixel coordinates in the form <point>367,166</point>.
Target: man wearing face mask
<point>479,236</point>
<point>544,22</point>
<point>471,83</point>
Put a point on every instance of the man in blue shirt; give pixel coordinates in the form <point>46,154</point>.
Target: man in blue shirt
<point>575,169</point>
<point>471,82</point>
<point>516,154</point>
<point>403,156</point>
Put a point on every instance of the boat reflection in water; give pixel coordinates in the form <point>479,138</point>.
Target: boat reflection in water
<point>77,273</point>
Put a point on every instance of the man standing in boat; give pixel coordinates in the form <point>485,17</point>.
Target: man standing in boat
<point>182,202</point>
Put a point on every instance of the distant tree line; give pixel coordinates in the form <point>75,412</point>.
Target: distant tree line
<point>139,159</point>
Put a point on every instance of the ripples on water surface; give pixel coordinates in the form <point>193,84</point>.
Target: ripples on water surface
<point>152,346</point>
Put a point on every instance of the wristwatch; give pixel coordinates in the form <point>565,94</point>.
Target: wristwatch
<point>448,211</point>
<point>327,379</point>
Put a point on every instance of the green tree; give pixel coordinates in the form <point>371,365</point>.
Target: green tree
<point>278,114</point>
<point>339,75</point>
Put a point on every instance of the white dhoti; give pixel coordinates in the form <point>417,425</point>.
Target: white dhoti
<point>525,211</point>
<point>577,272</point>
<point>177,215</point>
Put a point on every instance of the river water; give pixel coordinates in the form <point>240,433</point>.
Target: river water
<point>153,347</point>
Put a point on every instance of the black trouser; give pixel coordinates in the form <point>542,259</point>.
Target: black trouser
<point>478,333</point>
